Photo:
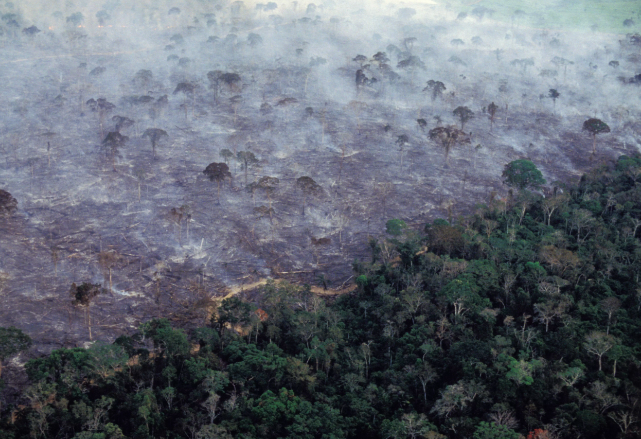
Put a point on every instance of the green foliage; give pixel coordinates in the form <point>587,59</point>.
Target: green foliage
<point>395,227</point>
<point>505,315</point>
<point>523,174</point>
<point>12,341</point>
<point>491,430</point>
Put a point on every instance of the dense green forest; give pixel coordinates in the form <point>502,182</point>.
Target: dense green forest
<point>519,320</point>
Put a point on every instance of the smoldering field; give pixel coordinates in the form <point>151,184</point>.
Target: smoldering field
<point>298,109</point>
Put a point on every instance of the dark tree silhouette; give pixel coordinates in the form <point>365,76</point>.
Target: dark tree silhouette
<point>411,62</point>
<point>217,172</point>
<point>269,185</point>
<point>380,58</point>
<point>247,158</point>
<point>177,39</point>
<point>361,59</point>
<point>254,40</point>
<point>408,43</point>
<point>449,136</point>
<point>112,143</point>
<point>143,78</point>
<point>122,122</point>
<point>31,31</point>
<point>226,154</point>
<point>217,78</point>
<point>436,88</point>
<point>562,62</point>
<point>422,124</point>
<point>7,203</point>
<point>491,109</point>
<point>102,17</point>
<point>594,127</point>
<point>102,107</point>
<point>82,295</point>
<point>76,18</point>
<point>456,60</point>
<point>97,71</point>
<point>554,95</point>
<point>464,114</point>
<point>154,135</point>
<point>309,188</point>
<point>187,89</point>
<point>402,141</point>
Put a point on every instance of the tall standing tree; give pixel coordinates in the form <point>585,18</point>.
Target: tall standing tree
<point>402,141</point>
<point>247,159</point>
<point>226,154</point>
<point>122,122</point>
<point>188,90</point>
<point>491,109</point>
<point>82,295</point>
<point>464,114</point>
<point>154,134</point>
<point>101,106</point>
<point>309,188</point>
<point>595,126</point>
<point>269,185</point>
<point>217,172</point>
<point>599,343</point>
<point>436,88</point>
<point>112,143</point>
<point>523,174</point>
<point>554,95</point>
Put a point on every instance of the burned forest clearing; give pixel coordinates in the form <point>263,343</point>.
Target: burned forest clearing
<point>175,157</point>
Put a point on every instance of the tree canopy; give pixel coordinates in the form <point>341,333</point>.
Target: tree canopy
<point>523,174</point>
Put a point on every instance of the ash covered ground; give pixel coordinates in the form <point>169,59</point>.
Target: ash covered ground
<point>283,84</point>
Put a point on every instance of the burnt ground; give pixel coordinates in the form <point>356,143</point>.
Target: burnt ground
<point>78,220</point>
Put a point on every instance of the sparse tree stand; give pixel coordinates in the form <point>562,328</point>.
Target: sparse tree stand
<point>309,188</point>
<point>154,134</point>
<point>594,127</point>
<point>12,342</point>
<point>217,172</point>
